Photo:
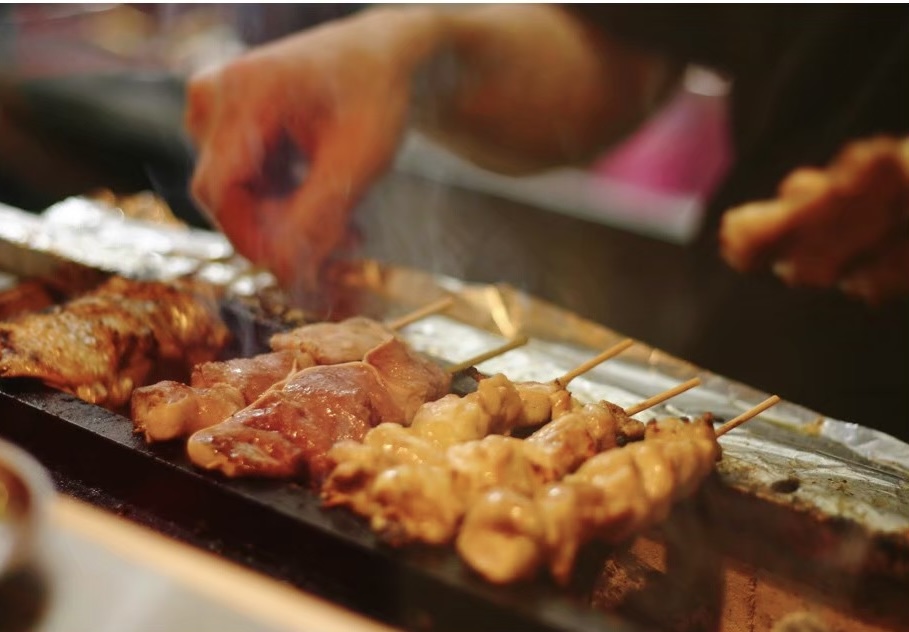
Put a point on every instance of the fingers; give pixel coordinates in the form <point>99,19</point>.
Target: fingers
<point>229,162</point>
<point>850,165</point>
<point>803,184</point>
<point>753,234</point>
<point>231,135</point>
<point>314,221</point>
<point>307,232</point>
<point>241,218</point>
<point>303,97</point>
<point>232,125</point>
<point>200,95</point>
<point>827,224</point>
<point>750,232</point>
<point>865,202</point>
<point>294,234</point>
<point>883,278</point>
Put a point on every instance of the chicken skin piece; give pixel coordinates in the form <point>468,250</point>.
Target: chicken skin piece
<point>103,344</point>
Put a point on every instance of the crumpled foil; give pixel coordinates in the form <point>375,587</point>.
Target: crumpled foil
<point>79,232</point>
<point>843,469</point>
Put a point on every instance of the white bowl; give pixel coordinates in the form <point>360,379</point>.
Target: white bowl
<point>25,491</point>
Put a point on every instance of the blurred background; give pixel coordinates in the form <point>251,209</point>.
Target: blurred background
<point>91,96</point>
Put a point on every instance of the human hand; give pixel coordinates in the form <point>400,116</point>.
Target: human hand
<point>846,226</point>
<point>293,133</point>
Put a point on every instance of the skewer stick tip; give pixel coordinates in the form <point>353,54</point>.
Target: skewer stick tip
<point>439,305</point>
<point>650,402</point>
<point>611,352</point>
<point>747,415</point>
<point>514,343</point>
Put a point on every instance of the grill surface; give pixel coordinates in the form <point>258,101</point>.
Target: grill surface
<point>275,527</point>
<point>280,529</point>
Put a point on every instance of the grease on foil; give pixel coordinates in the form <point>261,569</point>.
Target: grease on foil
<point>844,469</point>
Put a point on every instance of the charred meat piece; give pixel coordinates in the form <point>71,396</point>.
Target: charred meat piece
<point>288,431</point>
<point>105,343</point>
<point>183,316</point>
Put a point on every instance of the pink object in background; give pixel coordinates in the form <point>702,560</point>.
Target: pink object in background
<point>683,151</point>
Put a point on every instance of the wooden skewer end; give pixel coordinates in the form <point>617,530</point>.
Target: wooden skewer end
<point>747,415</point>
<point>611,352</point>
<point>514,343</point>
<point>435,307</point>
<point>659,398</point>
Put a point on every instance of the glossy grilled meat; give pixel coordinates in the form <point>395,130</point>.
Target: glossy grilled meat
<point>105,343</point>
<point>506,535</point>
<point>420,492</point>
<point>168,410</point>
<point>334,343</point>
<point>28,296</point>
<point>288,431</point>
<point>250,376</point>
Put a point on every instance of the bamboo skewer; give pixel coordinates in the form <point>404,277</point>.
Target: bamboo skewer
<point>514,343</point>
<point>611,352</point>
<point>435,307</point>
<point>748,414</point>
<point>662,397</point>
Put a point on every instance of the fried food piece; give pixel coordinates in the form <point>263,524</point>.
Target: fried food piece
<point>103,344</point>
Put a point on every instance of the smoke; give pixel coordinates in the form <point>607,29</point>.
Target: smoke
<point>434,218</point>
<point>432,222</point>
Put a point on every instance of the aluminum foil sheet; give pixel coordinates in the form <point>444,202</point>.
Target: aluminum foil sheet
<point>95,236</point>
<point>843,469</point>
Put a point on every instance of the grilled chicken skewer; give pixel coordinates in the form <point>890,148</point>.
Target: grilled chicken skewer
<point>506,535</point>
<point>426,500</point>
<point>289,429</point>
<point>168,410</point>
<point>102,344</point>
<point>497,407</point>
